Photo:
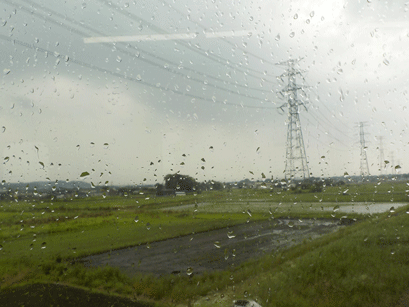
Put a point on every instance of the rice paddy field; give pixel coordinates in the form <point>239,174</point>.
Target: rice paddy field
<point>363,264</point>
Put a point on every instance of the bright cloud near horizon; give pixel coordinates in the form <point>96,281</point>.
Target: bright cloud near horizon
<point>130,91</point>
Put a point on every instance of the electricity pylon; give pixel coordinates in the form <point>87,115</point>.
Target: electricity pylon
<point>364,160</point>
<point>381,157</point>
<point>296,166</point>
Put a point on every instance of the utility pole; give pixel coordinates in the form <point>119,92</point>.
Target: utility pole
<point>296,166</point>
<point>364,160</point>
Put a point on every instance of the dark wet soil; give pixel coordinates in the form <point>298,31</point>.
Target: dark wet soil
<point>61,296</point>
<point>213,250</point>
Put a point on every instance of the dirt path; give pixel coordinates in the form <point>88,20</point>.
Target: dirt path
<point>213,250</point>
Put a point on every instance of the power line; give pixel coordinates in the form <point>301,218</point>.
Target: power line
<point>148,61</point>
<point>47,18</point>
<point>227,42</point>
<point>207,55</point>
<point>103,70</point>
<point>85,26</point>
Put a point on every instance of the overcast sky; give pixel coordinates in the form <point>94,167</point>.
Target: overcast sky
<point>114,87</point>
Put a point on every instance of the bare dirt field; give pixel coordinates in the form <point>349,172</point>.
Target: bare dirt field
<point>214,250</point>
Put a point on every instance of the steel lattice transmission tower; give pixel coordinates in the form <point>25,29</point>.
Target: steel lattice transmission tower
<point>296,166</point>
<point>364,160</point>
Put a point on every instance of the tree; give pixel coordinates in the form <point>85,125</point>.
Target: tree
<point>180,182</point>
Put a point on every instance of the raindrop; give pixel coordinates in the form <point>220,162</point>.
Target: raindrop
<point>307,21</point>
<point>277,37</point>
<point>386,62</point>
<point>3,129</point>
<point>292,34</point>
<point>1,247</point>
<point>230,234</point>
<point>312,14</point>
<point>43,245</point>
<point>296,16</point>
<point>291,224</point>
<point>138,78</point>
<point>118,59</point>
<point>189,271</point>
<point>136,219</point>
<point>217,244</point>
<point>126,4</point>
<point>336,208</point>
<point>84,174</point>
<point>248,212</point>
<point>6,71</point>
<point>392,209</point>
<point>148,226</point>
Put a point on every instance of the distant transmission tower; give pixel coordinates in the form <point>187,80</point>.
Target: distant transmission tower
<point>381,157</point>
<point>296,166</point>
<point>364,159</point>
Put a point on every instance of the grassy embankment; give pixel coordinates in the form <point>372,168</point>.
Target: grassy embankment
<point>54,233</point>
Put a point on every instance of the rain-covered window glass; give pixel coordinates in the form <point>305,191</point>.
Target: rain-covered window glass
<point>204,153</point>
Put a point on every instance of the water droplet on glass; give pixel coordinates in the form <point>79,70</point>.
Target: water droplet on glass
<point>118,59</point>
<point>217,244</point>
<point>230,234</point>
<point>307,21</point>
<point>6,71</point>
<point>291,224</point>
<point>248,212</point>
<point>292,34</point>
<point>392,209</point>
<point>148,226</point>
<point>336,208</point>
<point>3,129</point>
<point>136,219</point>
<point>84,174</point>
<point>139,78</point>
<point>277,38</point>
<point>312,14</point>
<point>296,16</point>
<point>43,245</point>
<point>189,271</point>
<point>386,62</point>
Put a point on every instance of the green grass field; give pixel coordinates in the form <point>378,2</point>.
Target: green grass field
<point>40,240</point>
